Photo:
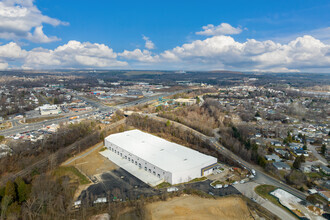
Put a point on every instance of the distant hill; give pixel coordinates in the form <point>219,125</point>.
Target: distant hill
<point>226,72</point>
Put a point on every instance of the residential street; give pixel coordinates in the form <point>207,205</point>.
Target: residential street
<point>317,155</point>
<point>247,189</point>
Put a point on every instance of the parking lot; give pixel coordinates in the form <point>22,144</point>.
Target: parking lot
<point>207,188</point>
<point>117,185</point>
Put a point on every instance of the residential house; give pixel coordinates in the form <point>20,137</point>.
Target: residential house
<point>281,152</point>
<point>315,168</point>
<point>295,145</point>
<point>325,169</point>
<point>273,157</point>
<point>300,152</point>
<point>276,143</point>
<point>306,168</point>
<point>325,194</point>
<point>281,166</point>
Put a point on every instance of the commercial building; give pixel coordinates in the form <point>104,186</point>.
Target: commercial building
<point>186,102</point>
<point>165,160</point>
<point>49,110</point>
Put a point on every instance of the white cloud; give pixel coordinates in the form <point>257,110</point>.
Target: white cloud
<point>217,52</point>
<point>38,36</point>
<point>137,54</point>
<point>149,44</point>
<point>74,54</point>
<point>323,34</point>
<point>221,29</point>
<point>224,52</point>
<point>11,51</point>
<point>3,65</point>
<point>18,18</point>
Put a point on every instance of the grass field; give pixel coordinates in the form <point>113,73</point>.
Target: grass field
<point>163,185</point>
<point>198,179</point>
<point>73,173</point>
<point>217,182</point>
<point>264,190</point>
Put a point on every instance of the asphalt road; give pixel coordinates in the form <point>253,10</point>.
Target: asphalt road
<point>317,155</point>
<point>20,128</point>
<point>247,189</point>
<point>261,177</point>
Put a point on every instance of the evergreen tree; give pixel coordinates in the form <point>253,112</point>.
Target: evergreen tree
<point>10,190</point>
<point>297,163</point>
<point>305,147</point>
<point>23,190</point>
<point>323,149</point>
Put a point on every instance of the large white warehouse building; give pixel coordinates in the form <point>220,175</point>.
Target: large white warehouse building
<point>169,161</point>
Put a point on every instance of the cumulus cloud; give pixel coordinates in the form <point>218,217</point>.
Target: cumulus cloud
<point>3,65</point>
<point>137,54</point>
<point>74,54</point>
<point>18,18</point>
<point>38,36</point>
<point>10,52</point>
<point>149,44</point>
<point>221,29</point>
<point>216,52</point>
<point>224,52</point>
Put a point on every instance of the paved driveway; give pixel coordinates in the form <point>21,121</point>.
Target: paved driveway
<point>247,189</point>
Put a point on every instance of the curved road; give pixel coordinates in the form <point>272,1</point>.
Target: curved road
<point>261,177</point>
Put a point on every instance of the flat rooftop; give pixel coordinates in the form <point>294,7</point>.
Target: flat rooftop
<point>164,154</point>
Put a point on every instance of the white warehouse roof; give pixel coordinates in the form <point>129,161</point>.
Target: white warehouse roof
<point>164,154</point>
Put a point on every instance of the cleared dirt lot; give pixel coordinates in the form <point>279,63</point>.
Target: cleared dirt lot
<point>90,162</point>
<point>193,207</point>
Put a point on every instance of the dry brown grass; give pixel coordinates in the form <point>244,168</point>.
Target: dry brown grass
<point>194,207</point>
<point>5,125</point>
<point>93,163</point>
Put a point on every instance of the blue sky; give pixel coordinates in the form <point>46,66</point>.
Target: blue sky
<point>244,35</point>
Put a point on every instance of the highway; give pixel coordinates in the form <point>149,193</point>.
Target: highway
<point>46,160</point>
<point>100,108</point>
<point>261,177</point>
